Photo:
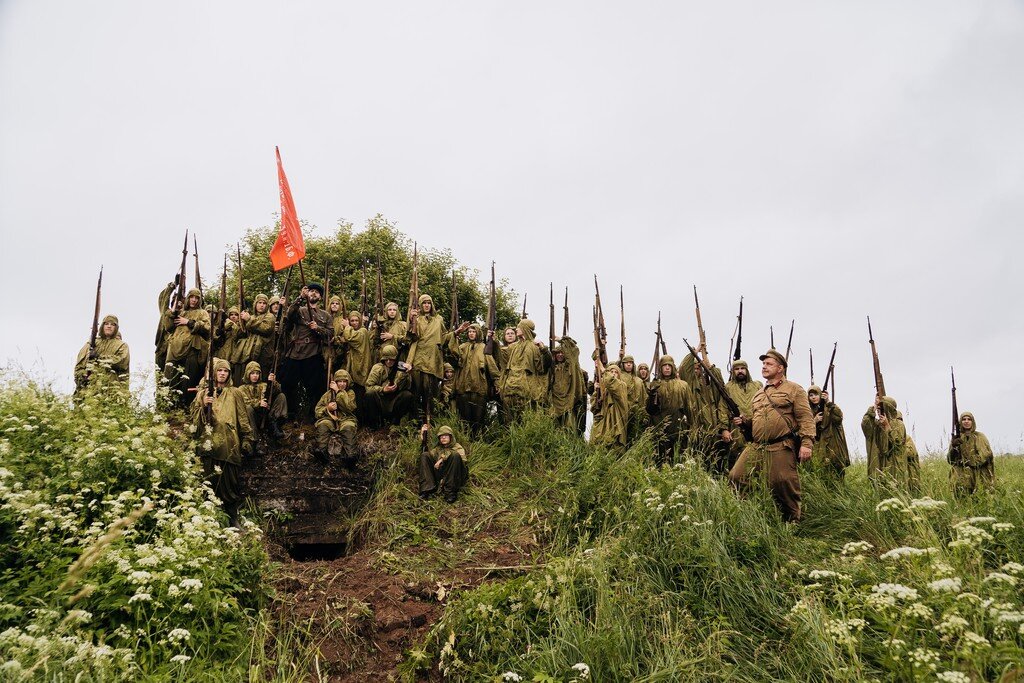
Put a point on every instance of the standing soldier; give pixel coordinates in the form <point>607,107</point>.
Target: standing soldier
<point>260,326</point>
<point>233,346</point>
<point>476,371</point>
<point>163,302</point>
<point>913,459</point>
<point>637,392</point>
<point>831,454</point>
<point>388,395</point>
<point>568,385</point>
<point>223,412</point>
<point>335,352</point>
<point>390,330</point>
<point>971,458</point>
<point>643,371</point>
<point>668,404</point>
<point>358,345</point>
<point>886,441</point>
<point>188,345</point>
<point>742,390</point>
<point>109,353</point>
<point>710,431</point>
<point>307,328</point>
<point>427,334</point>
<point>611,406</point>
<point>781,431</point>
<point>524,381</point>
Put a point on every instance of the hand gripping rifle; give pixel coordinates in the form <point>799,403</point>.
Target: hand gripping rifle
<point>268,393</point>
<point>716,382</point>
<point>879,382</point>
<point>954,457</point>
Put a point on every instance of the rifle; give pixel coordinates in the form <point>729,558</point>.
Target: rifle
<point>739,333</point>
<point>222,312</point>
<point>811,354</point>
<point>95,322</point>
<point>622,326</point>
<point>700,326</point>
<point>414,294</point>
<point>525,295</point>
<point>195,254</point>
<point>789,344</point>
<point>455,303</point>
<point>327,281</point>
<point>210,386</point>
<point>829,372</point>
<point>879,382</point>
<point>771,331</point>
<point>362,294</point>
<point>241,284</point>
<point>380,292</point>
<point>658,341</point>
<point>565,314</point>
<point>600,332</point>
<point>598,363</point>
<point>269,391</point>
<point>178,300</point>
<point>492,315</point>
<point>551,316</point>
<point>954,456</point>
<point>716,382</point>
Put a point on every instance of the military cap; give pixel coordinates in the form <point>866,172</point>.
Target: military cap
<point>772,353</point>
<point>317,286</point>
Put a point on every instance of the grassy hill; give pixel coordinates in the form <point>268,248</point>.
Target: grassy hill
<point>560,562</point>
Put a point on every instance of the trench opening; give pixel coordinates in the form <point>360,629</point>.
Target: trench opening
<point>312,552</point>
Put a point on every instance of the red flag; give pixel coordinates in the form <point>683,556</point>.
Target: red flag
<point>289,248</point>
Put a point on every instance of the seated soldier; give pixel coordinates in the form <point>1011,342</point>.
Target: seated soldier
<point>388,389</point>
<point>442,468</point>
<point>336,420</point>
<point>264,417</point>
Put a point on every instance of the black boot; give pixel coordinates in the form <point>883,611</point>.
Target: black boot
<point>275,430</point>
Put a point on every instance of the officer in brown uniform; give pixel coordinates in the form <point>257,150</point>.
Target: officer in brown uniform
<point>781,430</point>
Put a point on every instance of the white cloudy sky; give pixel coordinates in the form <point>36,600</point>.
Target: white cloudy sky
<point>826,160</point>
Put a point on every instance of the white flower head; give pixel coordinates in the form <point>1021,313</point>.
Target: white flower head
<point>511,676</point>
<point>950,585</point>
<point>582,671</point>
<point>953,677</point>
<point>856,547</point>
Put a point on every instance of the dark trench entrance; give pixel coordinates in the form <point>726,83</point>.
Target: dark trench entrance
<point>311,552</point>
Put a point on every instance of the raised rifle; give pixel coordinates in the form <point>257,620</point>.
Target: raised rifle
<point>565,314</point>
<point>600,332</point>
<point>879,382</point>
<point>180,292</point>
<point>525,295</point>
<point>454,321</point>
<point>789,344</point>
<point>222,311</point>
<point>268,392</point>
<point>414,294</point>
<point>661,337</point>
<point>492,315</point>
<point>95,322</point>
<point>195,255</point>
<point>622,326</point>
<point>241,283</point>
<point>327,281</point>
<point>380,293</point>
<point>737,355</point>
<point>599,346</point>
<point>810,353</point>
<point>551,316</point>
<point>362,295</point>
<point>309,306</point>
<point>771,332</point>
<point>955,458</point>
<point>715,381</point>
<point>829,374</point>
<point>700,326</point>
<point>655,365</point>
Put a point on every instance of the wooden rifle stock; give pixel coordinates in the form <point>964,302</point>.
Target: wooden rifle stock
<point>565,314</point>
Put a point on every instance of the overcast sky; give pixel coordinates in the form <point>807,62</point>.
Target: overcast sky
<point>826,160</point>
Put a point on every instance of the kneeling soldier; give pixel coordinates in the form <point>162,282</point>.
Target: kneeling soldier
<point>388,389</point>
<point>263,416</point>
<point>336,420</point>
<point>442,468</point>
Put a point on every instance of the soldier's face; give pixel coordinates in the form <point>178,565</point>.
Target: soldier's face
<point>335,306</point>
<point>254,377</point>
<point>389,362</point>
<point>510,335</point>
<point>966,422</point>
<point>740,374</point>
<point>314,296</point>
<point>427,307</point>
<point>445,439</point>
<point>666,370</point>
<point>109,329</point>
<point>193,301</point>
<point>222,375</point>
<point>559,356</point>
<point>233,317</point>
<point>392,311</point>
<point>771,369</point>
<point>644,373</point>
<point>275,307</point>
<point>355,321</point>
<point>342,384</point>
<point>472,334</point>
<point>261,306</point>
<point>627,366</point>
<point>449,374</point>
<point>815,399</point>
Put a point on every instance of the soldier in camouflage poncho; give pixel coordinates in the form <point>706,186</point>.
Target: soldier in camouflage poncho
<point>972,459</point>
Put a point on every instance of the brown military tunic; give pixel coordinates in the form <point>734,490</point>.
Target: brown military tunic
<point>778,411</point>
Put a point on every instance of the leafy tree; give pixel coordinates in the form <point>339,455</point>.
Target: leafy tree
<point>343,254</point>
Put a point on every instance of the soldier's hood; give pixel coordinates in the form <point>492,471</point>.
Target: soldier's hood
<point>643,365</point>
<point>233,309</point>
<point>669,360</point>
<point>261,297</point>
<point>425,297</point>
<point>335,299</point>
<point>388,351</point>
<point>688,369</point>
<point>526,327</point>
<point>342,375</point>
<point>194,292</point>
<point>117,326</point>
<point>445,429</point>
<point>448,366</point>
<point>251,367</point>
<point>622,363</point>
<point>221,364</point>
<point>813,389</point>
<point>889,406</point>
<point>974,423</point>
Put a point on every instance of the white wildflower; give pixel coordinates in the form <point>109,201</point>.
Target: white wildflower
<point>905,551</point>
<point>207,445</point>
<point>982,520</point>
<point>974,641</point>
<point>583,671</point>
<point>896,590</point>
<point>180,659</point>
<point>179,635</point>
<point>140,576</point>
<point>953,677</point>
<point>137,444</point>
<point>511,676</point>
<point>190,428</point>
<point>890,504</point>
<point>999,577</point>
<point>1002,526</point>
<point>950,585</point>
<point>953,623</point>
<point>140,597</point>
<point>927,503</point>
<point>855,547</point>
<point>918,610</point>
<point>1013,568</point>
<point>924,658</point>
